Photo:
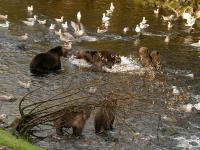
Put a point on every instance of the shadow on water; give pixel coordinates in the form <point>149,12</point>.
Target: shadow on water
<point>139,125</point>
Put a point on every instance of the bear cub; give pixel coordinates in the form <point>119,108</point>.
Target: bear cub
<point>71,119</point>
<point>149,59</point>
<point>105,116</point>
<point>44,63</point>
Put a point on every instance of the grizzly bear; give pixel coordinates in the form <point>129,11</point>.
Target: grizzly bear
<point>155,58</point>
<point>99,58</point>
<point>149,59</point>
<point>105,116</point>
<point>71,119</point>
<point>44,63</point>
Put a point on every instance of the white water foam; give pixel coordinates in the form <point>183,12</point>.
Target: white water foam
<point>127,65</point>
<point>79,62</point>
<point>188,143</point>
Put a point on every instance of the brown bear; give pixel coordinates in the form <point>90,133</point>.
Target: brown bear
<point>99,58</point>
<point>71,119</point>
<point>149,59</point>
<point>155,58</point>
<point>44,63</point>
<point>105,116</point>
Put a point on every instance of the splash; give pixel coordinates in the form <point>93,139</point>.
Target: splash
<point>127,65</point>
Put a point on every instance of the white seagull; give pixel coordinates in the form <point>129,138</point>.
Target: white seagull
<point>79,29</point>
<point>29,23</point>
<point>30,8</point>
<point>101,30</point>
<point>3,17</point>
<point>65,25</point>
<point>23,37</point>
<point>125,30</point>
<point>42,21</point>
<point>52,26</point>
<point>112,7</point>
<point>137,29</point>
<point>78,16</point>
<point>105,18</point>
<point>59,32</point>
<point>59,19</point>
<point>25,85</point>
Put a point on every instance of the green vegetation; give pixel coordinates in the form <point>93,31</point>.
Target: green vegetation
<point>6,139</point>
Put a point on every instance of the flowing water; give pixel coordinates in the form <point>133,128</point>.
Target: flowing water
<point>180,60</point>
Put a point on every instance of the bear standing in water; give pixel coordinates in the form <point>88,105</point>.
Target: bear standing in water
<point>105,116</point>
<point>149,59</point>
<point>47,62</point>
<point>71,119</point>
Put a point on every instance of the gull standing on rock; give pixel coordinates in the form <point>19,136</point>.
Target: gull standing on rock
<point>3,17</point>
<point>29,23</point>
<point>125,30</point>
<point>42,21</point>
<point>79,29</point>
<point>59,19</point>
<point>78,16</point>
<point>137,29</point>
<point>25,85</point>
<point>105,18</point>
<point>30,8</point>
<point>156,11</point>
<point>65,25</point>
<point>59,32</point>
<point>52,26</point>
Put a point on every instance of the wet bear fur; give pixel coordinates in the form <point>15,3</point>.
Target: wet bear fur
<point>71,119</point>
<point>44,63</point>
<point>149,59</point>
<point>105,116</point>
<point>99,58</point>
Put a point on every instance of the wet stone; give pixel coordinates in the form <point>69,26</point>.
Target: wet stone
<point>193,143</point>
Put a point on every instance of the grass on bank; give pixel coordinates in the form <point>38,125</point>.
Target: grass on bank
<point>6,139</point>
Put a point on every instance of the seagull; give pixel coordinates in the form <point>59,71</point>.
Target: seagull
<point>3,17</point>
<point>5,25</point>
<point>168,18</point>
<point>101,30</point>
<point>65,25</point>
<point>106,24</point>
<point>32,19</point>
<point>175,90</point>
<point>30,8</point>
<point>156,11</point>
<point>169,25</point>
<point>6,98</point>
<point>78,29</point>
<point>59,32</point>
<point>190,22</point>
<point>42,21</point>
<point>137,29</point>
<point>143,26</point>
<point>105,18</point>
<point>25,85</point>
<point>167,39</point>
<point>29,23</point>
<point>59,19</point>
<point>112,7</point>
<point>186,15</point>
<point>52,26</point>
<point>78,16</point>
<point>125,30</point>
<point>23,37</point>
<point>144,21</point>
